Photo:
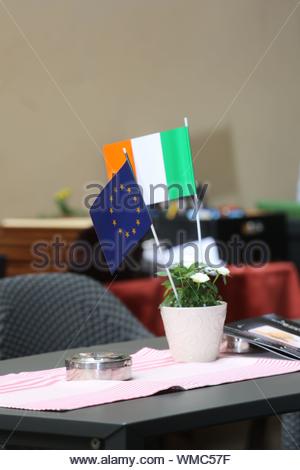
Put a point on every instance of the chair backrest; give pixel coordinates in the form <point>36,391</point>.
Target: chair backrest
<point>290,431</point>
<point>50,312</point>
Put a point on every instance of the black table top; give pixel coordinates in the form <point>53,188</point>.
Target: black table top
<point>177,411</point>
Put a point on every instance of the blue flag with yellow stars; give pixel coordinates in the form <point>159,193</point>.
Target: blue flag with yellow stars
<point>120,217</point>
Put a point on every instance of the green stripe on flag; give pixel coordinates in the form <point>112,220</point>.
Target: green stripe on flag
<point>178,162</point>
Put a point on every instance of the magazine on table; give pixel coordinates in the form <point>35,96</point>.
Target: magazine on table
<point>272,332</point>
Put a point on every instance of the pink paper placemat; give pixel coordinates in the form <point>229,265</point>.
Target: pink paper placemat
<point>153,371</point>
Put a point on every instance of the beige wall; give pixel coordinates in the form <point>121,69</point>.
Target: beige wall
<point>75,74</point>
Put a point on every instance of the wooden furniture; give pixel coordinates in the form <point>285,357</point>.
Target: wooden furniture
<point>29,243</point>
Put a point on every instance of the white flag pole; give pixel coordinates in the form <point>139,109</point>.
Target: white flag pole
<point>166,268</point>
<point>197,208</point>
<point>157,240</point>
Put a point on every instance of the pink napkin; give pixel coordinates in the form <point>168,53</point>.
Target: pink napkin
<point>153,371</point>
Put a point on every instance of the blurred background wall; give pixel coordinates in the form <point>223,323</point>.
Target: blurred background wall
<point>77,74</point>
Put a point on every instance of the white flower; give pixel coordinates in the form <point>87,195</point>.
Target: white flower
<point>199,278</point>
<point>223,271</point>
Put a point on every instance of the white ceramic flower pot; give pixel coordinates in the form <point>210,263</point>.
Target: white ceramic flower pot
<point>194,333</point>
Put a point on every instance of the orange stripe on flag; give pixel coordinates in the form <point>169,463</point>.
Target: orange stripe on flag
<point>114,156</point>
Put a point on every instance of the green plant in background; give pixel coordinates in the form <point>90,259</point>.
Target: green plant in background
<point>61,199</point>
<point>196,285</point>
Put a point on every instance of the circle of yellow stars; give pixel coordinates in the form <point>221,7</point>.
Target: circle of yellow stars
<point>138,211</point>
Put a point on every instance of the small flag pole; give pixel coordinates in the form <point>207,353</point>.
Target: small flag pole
<point>156,240</point>
<point>197,208</point>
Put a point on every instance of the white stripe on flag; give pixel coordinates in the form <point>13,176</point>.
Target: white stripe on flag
<point>150,169</point>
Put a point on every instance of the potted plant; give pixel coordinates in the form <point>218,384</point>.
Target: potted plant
<point>194,323</point>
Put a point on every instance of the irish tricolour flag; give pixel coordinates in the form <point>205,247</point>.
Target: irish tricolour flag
<point>162,163</point>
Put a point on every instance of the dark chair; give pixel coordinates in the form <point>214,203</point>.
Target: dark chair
<point>290,431</point>
<point>49,312</point>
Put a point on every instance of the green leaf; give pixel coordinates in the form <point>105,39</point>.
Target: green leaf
<point>161,273</point>
<point>190,294</point>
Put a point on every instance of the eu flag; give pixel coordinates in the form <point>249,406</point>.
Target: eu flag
<point>120,217</point>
